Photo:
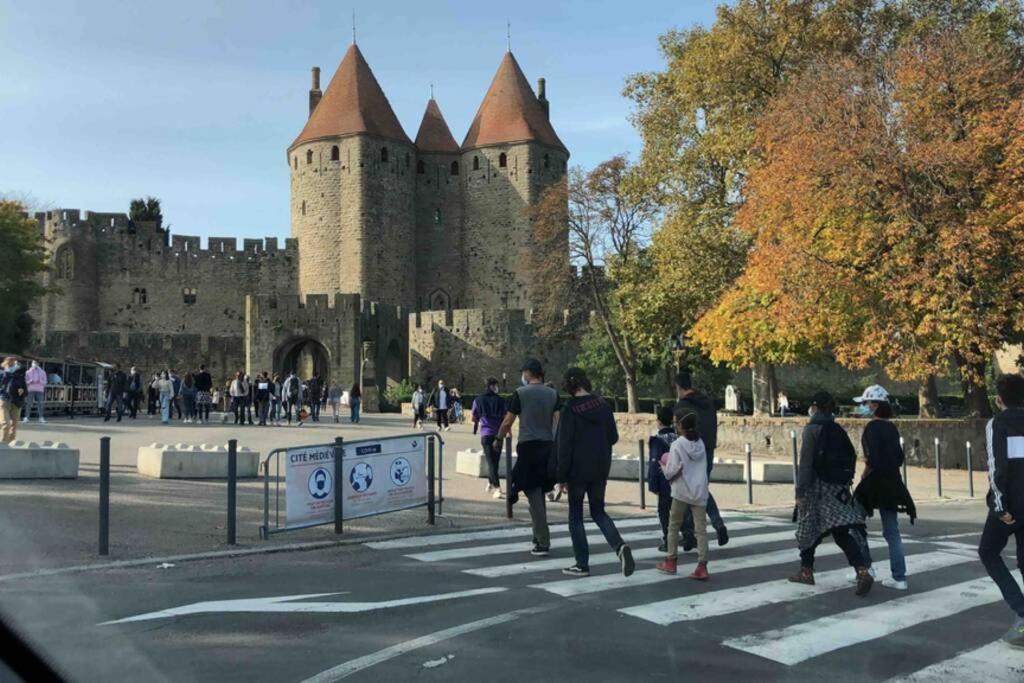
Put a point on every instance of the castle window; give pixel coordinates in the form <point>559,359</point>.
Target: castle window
<point>295,162</point>
<point>407,160</point>
<point>547,161</point>
<point>384,155</point>
<point>476,163</point>
<point>455,168</point>
<point>565,166</point>
<point>335,153</point>
<point>309,156</point>
<point>65,262</point>
<point>437,216</point>
<point>502,160</point>
<point>421,168</point>
<point>188,295</point>
<point>303,207</point>
<point>139,295</point>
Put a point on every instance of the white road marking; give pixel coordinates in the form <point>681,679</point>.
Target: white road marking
<point>801,642</point>
<point>742,598</point>
<point>286,603</point>
<point>519,547</point>
<point>994,663</point>
<point>428,540</point>
<point>570,587</point>
<point>611,558</point>
<point>361,663</point>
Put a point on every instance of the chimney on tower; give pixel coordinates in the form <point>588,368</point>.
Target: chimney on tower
<point>542,96</point>
<point>314,92</point>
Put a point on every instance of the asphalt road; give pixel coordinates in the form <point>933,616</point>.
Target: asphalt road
<point>474,605</point>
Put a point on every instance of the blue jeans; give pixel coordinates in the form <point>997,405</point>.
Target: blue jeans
<point>354,408</point>
<point>891,532</point>
<point>165,408</point>
<point>34,397</point>
<point>594,491</point>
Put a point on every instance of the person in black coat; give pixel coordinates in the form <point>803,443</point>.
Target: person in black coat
<point>586,434</point>
<point>881,487</point>
<point>657,446</point>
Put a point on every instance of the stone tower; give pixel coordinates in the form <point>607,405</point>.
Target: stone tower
<point>352,191</point>
<point>439,213</point>
<point>511,155</point>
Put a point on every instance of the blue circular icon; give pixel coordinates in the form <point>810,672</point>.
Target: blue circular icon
<point>361,477</point>
<point>320,482</point>
<point>401,471</point>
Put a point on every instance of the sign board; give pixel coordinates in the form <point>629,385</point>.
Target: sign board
<point>378,476</point>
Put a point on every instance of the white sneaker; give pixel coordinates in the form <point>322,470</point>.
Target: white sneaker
<point>24,420</point>
<point>488,488</point>
<point>447,429</point>
<point>498,495</point>
<point>42,420</point>
<point>895,585</point>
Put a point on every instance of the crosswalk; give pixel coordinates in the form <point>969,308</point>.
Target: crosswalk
<point>748,581</point>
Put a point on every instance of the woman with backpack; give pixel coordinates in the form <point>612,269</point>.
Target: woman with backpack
<point>881,487</point>
<point>824,504</point>
<point>586,434</point>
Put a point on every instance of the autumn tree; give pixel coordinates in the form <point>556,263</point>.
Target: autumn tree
<point>608,227</point>
<point>24,258</point>
<point>878,215</point>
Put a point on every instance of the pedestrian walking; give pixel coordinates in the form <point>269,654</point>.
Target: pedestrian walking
<point>685,469</point>
<point>355,401</point>
<point>881,486</point>
<point>316,397</point>
<point>657,446</point>
<point>487,413</point>
<point>291,397</point>
<point>441,401</point>
<point>204,394</point>
<point>275,400</point>
<point>334,401</point>
<point>152,396</point>
<point>165,392</point>
<point>188,397</point>
<point>586,434</point>
<point>824,504</point>
<point>263,392</point>
<point>690,400</point>
<point>176,398</point>
<point>117,385</point>
<point>135,393</point>
<point>13,392</point>
<point>456,397</point>
<point>536,407</point>
<point>35,381</point>
<point>239,392</point>
<point>1004,440</point>
<point>419,407</point>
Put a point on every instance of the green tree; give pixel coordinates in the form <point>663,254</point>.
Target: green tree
<point>147,209</point>
<point>24,259</point>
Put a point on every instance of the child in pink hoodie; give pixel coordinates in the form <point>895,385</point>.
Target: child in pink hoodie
<point>685,467</point>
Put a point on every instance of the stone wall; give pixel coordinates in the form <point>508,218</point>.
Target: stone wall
<point>439,233</point>
<point>771,437</point>
<point>467,346</point>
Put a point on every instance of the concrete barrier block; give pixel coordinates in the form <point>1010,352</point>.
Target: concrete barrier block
<point>773,472</point>
<point>29,460</point>
<point>471,462</point>
<point>728,471</point>
<point>186,461</point>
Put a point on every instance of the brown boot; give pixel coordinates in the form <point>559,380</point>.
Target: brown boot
<point>864,581</point>
<point>804,576</point>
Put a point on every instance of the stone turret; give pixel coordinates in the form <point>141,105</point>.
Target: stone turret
<point>352,192</point>
<point>511,155</point>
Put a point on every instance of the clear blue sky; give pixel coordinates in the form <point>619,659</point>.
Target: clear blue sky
<point>195,101</point>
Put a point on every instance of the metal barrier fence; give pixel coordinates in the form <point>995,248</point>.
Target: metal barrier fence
<point>342,451</point>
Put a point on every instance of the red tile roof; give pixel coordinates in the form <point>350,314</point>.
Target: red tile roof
<point>434,134</point>
<point>510,112</point>
<point>353,103</point>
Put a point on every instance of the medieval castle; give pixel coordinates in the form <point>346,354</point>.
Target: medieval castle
<point>407,258</point>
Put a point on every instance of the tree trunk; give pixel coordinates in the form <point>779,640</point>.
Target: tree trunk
<point>976,398</point>
<point>928,398</point>
<point>631,400</point>
<point>763,389</point>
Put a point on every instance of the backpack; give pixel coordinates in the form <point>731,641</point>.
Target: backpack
<point>835,459</point>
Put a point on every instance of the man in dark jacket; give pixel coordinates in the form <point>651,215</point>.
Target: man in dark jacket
<point>586,434</point>
<point>1004,438</point>
<point>134,392</point>
<point>13,391</point>
<point>117,386</point>
<point>693,401</point>
<point>316,393</point>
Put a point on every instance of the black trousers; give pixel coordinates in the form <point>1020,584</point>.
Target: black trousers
<point>852,540</point>
<point>994,537</point>
<point>664,506</point>
<point>493,460</point>
<point>442,416</point>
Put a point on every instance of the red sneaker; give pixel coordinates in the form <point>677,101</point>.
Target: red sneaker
<point>667,566</point>
<point>701,572</point>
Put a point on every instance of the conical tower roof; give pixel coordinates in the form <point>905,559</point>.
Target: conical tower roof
<point>353,103</point>
<point>434,134</point>
<point>510,112</point>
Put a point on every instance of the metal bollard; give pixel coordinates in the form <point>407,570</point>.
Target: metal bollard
<point>508,477</point>
<point>904,451</point>
<point>640,473</point>
<point>431,501</point>
<point>796,456</point>
<point>439,473</point>
<point>339,497</point>
<point>938,467</point>
<point>970,472</point>
<point>750,474</point>
<point>104,495</point>
<point>232,488</point>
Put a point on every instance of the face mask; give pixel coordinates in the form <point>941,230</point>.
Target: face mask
<point>523,380</point>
